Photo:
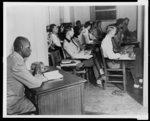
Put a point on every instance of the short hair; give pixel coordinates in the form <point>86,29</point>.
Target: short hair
<point>110,28</point>
<point>51,27</point>
<point>87,24</point>
<point>67,28</point>
<point>18,42</point>
<point>119,21</point>
<point>99,22</point>
<point>126,18</point>
<point>78,21</point>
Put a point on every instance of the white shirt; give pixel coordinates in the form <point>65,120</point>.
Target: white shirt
<point>17,77</point>
<point>84,37</point>
<point>74,51</point>
<point>54,38</point>
<point>107,48</point>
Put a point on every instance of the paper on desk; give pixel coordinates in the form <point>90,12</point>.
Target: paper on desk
<point>74,63</point>
<point>52,75</point>
<point>66,61</point>
<point>40,77</point>
<point>84,56</point>
<point>126,57</point>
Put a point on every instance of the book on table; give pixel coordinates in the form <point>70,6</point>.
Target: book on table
<point>53,75</point>
<point>68,63</point>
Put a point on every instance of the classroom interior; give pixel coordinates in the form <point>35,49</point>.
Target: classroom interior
<point>31,21</point>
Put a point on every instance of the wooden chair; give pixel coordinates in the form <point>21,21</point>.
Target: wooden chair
<point>114,75</point>
<point>56,59</point>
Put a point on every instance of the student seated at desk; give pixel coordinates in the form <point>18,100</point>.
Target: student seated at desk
<point>100,33</point>
<point>117,39</point>
<point>54,41</point>
<point>75,52</point>
<point>137,70</point>
<point>72,48</point>
<point>107,47</point>
<point>77,28</point>
<point>85,36</point>
<point>61,34</point>
<point>93,31</point>
<point>129,36</point>
<point>18,76</point>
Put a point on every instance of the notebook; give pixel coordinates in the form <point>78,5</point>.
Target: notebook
<point>53,75</point>
<point>72,63</point>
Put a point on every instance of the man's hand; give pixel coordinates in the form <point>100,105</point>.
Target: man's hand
<point>41,77</point>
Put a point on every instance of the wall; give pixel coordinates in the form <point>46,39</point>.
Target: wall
<point>122,12</point>
<point>131,13</point>
<point>31,21</point>
<point>54,14</point>
<point>81,13</point>
<point>60,14</point>
<point>28,21</point>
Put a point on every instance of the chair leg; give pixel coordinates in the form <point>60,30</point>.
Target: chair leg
<point>105,83</point>
<point>124,76</point>
<point>87,75</point>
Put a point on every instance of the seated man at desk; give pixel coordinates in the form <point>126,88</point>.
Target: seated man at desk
<point>129,36</point>
<point>75,51</point>
<point>84,36</point>
<point>72,47</point>
<point>107,47</point>
<point>137,70</point>
<point>117,39</point>
<point>18,76</point>
<point>54,41</point>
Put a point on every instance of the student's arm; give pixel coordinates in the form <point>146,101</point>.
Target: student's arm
<point>56,40</point>
<point>21,73</point>
<point>74,53</point>
<point>87,39</point>
<point>69,49</point>
<point>108,48</point>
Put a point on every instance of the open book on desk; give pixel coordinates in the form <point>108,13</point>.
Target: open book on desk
<point>53,75</point>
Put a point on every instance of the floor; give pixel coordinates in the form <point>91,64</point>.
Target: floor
<point>136,94</point>
<point>102,102</point>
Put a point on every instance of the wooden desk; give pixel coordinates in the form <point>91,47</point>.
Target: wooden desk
<point>124,59</point>
<point>59,97</point>
<point>131,43</point>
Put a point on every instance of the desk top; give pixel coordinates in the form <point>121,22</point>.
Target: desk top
<point>130,43</point>
<point>126,57</point>
<point>68,80</point>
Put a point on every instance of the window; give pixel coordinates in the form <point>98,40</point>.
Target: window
<point>105,12</point>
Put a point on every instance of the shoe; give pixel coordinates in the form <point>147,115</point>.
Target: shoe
<point>99,81</point>
<point>137,86</point>
<point>103,78</point>
<point>141,81</point>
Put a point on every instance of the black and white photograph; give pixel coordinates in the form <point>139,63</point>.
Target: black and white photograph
<point>75,59</point>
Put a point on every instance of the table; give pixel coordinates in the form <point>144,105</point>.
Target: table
<point>59,97</point>
<point>136,43</point>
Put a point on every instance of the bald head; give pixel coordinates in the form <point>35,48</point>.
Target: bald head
<point>18,43</point>
<point>22,46</point>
